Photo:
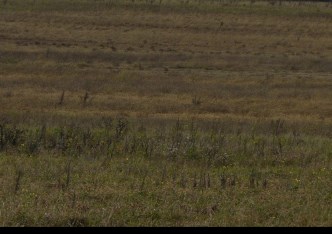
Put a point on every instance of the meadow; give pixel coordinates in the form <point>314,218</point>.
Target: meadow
<point>165,113</point>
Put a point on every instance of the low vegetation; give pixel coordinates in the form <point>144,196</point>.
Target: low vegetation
<point>165,113</point>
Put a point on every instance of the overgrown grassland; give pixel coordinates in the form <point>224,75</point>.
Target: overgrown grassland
<point>165,113</point>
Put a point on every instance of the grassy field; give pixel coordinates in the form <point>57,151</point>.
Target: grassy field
<point>165,113</point>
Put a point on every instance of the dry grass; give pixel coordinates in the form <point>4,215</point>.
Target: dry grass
<point>230,66</point>
<point>271,63</point>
